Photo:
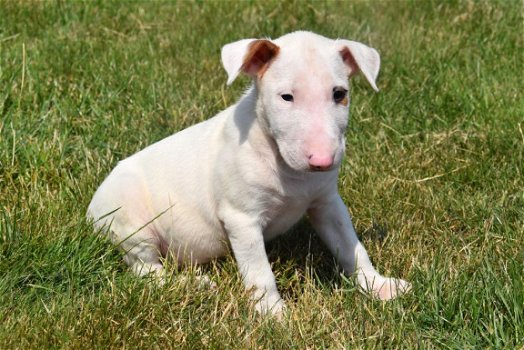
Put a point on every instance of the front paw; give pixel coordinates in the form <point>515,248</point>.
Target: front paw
<point>392,288</point>
<point>270,304</point>
<point>384,288</point>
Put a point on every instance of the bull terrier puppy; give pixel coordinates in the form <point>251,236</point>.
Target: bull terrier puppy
<point>248,174</point>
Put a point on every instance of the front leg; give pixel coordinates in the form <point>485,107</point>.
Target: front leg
<point>247,242</point>
<point>331,220</point>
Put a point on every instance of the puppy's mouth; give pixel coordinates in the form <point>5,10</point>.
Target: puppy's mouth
<point>307,168</point>
<point>298,163</point>
<point>317,169</point>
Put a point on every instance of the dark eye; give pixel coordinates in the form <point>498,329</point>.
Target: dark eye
<point>287,97</point>
<point>339,94</point>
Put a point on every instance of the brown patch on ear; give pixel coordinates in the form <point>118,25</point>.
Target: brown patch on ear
<point>258,57</point>
<point>349,60</point>
<point>345,101</point>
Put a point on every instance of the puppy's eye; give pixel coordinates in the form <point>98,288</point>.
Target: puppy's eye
<point>339,95</point>
<point>287,97</point>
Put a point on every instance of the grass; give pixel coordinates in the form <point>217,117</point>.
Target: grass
<point>433,174</point>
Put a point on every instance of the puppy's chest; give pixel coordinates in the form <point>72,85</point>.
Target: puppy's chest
<point>282,215</point>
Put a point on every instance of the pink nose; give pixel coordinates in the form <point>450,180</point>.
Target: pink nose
<point>320,162</point>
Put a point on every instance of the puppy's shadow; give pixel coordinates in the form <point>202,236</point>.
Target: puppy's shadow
<point>300,252</point>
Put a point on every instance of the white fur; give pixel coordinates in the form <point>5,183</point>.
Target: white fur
<point>248,174</point>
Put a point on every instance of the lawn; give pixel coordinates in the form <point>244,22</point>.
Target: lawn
<point>433,175</point>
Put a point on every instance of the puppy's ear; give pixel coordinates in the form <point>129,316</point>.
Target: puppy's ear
<point>251,56</point>
<point>360,58</point>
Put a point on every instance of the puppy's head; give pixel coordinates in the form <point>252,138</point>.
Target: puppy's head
<point>303,92</point>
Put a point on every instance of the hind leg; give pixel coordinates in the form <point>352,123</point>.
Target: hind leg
<point>142,247</point>
<point>144,259</point>
<point>119,208</point>
<point>131,224</point>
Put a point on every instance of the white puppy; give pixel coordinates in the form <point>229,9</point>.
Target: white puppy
<point>248,174</point>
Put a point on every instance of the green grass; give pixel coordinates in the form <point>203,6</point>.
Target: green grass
<point>434,174</point>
